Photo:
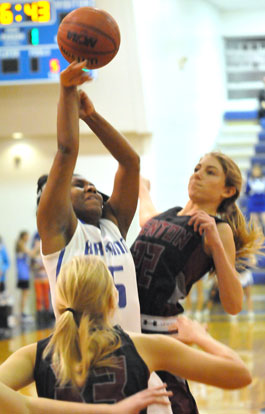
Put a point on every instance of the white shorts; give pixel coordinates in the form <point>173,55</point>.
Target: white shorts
<point>246,278</point>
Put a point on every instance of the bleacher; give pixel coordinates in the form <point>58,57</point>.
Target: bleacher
<point>256,155</point>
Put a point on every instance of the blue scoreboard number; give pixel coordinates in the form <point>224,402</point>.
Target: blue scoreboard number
<point>28,39</point>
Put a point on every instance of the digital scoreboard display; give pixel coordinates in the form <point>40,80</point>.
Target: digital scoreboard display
<point>28,39</point>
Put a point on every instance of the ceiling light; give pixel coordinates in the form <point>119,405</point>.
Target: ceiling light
<point>17,135</point>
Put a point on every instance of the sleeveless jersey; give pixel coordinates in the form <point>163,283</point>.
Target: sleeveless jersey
<point>103,385</point>
<point>106,242</point>
<point>169,258</point>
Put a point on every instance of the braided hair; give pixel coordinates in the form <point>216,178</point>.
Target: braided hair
<point>40,186</point>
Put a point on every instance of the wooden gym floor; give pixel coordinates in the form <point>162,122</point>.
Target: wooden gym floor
<point>247,338</point>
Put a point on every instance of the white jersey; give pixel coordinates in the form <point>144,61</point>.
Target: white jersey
<point>107,242</point>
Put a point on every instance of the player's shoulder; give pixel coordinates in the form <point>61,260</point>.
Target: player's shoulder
<point>169,212</point>
<point>225,231</point>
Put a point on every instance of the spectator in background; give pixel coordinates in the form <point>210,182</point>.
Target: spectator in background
<point>247,281</point>
<point>255,191</point>
<point>23,255</point>
<point>41,284</point>
<point>213,297</point>
<point>4,265</point>
<point>261,99</point>
<point>199,301</point>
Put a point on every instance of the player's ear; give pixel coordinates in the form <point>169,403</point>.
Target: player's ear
<point>229,191</point>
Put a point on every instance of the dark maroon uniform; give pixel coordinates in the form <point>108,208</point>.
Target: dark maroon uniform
<point>169,258</point>
<point>103,385</point>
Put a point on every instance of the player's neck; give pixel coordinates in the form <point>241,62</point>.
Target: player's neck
<point>191,207</point>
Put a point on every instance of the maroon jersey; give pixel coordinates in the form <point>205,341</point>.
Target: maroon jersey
<point>169,258</point>
<point>103,385</point>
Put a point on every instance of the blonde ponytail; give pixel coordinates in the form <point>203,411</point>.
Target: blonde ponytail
<point>83,338</point>
<point>249,239</point>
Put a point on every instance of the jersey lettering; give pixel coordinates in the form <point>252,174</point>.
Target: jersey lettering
<point>111,382</point>
<point>120,287</point>
<point>95,248</point>
<point>166,231</point>
<point>146,258</point>
<point>172,233</point>
<point>150,228</point>
<point>115,248</point>
<point>181,240</point>
<point>107,385</point>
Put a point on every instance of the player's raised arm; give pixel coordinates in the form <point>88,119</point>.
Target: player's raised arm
<point>147,208</point>
<point>122,203</point>
<point>56,219</point>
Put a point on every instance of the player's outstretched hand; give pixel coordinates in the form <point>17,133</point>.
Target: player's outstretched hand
<point>86,107</point>
<point>142,399</point>
<point>74,75</point>
<point>188,330</point>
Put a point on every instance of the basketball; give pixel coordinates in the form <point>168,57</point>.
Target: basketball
<point>89,34</point>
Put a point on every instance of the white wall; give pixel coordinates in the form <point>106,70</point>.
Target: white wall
<point>248,22</point>
<point>184,103</point>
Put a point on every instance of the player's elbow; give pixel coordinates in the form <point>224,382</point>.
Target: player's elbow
<point>240,379</point>
<point>131,161</point>
<point>234,310</point>
<point>135,162</point>
<point>233,307</point>
<point>247,379</point>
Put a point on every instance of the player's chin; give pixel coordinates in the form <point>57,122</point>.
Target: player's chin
<point>95,208</point>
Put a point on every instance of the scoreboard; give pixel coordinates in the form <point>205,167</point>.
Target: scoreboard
<point>28,40</point>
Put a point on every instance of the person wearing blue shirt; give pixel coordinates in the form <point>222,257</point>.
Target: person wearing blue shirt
<point>4,264</point>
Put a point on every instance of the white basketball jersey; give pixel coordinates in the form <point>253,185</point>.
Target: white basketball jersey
<point>107,242</point>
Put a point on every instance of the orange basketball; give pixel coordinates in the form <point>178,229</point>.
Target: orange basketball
<point>89,34</point>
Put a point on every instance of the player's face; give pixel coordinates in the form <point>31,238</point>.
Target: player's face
<point>207,183</point>
<point>26,237</point>
<point>256,171</point>
<point>85,198</point>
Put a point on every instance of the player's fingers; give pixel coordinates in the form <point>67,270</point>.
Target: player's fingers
<point>196,223</point>
<point>72,64</point>
<point>201,228</point>
<point>76,67</point>
<point>191,220</point>
<point>173,327</point>
<point>158,399</point>
<point>81,64</point>
<point>163,393</point>
<point>158,387</point>
<point>82,79</point>
<point>194,218</point>
<point>78,77</point>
